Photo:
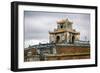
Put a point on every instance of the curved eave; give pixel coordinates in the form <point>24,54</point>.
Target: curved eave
<point>56,32</point>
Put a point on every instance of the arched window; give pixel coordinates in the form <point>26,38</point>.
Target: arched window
<point>61,26</point>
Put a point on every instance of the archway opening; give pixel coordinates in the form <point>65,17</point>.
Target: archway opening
<point>57,39</point>
<point>73,39</point>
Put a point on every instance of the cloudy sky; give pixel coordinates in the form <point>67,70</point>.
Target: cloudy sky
<point>38,24</point>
